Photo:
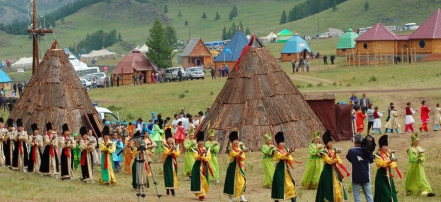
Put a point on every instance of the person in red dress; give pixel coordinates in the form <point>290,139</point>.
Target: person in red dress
<point>424,116</point>
<point>359,116</point>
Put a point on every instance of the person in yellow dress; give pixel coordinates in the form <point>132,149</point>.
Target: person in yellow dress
<point>201,168</point>
<point>267,161</point>
<point>107,147</point>
<point>235,181</point>
<point>283,186</point>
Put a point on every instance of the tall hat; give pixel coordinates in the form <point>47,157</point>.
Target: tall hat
<point>168,133</point>
<point>414,137</point>
<point>19,123</point>
<point>1,120</point>
<point>200,136</point>
<point>327,137</point>
<point>279,137</point>
<point>267,136</point>
<point>383,141</point>
<point>211,133</point>
<point>65,127</point>
<point>233,136</point>
<point>138,133</point>
<point>315,135</point>
<point>34,127</point>
<point>368,144</point>
<point>48,126</point>
<point>106,130</point>
<point>83,130</point>
<point>10,123</point>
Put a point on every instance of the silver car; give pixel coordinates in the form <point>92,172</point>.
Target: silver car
<point>195,73</point>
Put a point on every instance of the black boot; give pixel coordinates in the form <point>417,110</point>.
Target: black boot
<point>173,192</point>
<point>168,192</point>
<point>293,199</point>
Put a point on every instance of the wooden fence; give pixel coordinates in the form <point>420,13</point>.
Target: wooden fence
<point>407,56</point>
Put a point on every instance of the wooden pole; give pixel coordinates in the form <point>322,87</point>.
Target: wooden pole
<point>368,59</point>
<point>393,56</point>
<point>347,62</point>
<point>402,56</point>
<point>407,55</point>
<point>358,59</point>
<point>35,31</point>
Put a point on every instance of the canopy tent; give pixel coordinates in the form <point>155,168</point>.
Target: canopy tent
<point>346,42</point>
<point>55,94</point>
<point>22,63</point>
<point>4,78</point>
<point>283,36</point>
<point>295,48</point>
<point>134,63</point>
<point>98,53</point>
<point>260,98</point>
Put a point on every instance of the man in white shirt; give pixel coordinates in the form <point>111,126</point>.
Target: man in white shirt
<point>175,123</point>
<point>185,121</point>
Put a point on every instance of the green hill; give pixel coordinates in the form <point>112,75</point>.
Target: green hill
<point>132,19</point>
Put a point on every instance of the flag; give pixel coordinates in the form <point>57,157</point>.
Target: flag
<point>228,51</point>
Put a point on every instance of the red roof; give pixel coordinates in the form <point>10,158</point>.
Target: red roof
<point>377,33</point>
<point>403,37</point>
<point>430,29</point>
<point>135,61</point>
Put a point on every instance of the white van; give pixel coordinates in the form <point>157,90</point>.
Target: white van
<point>107,114</point>
<point>411,26</point>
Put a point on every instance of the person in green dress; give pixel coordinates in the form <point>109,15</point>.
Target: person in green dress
<point>214,150</point>
<point>384,180</point>
<point>283,185</point>
<point>189,143</point>
<point>169,155</point>
<point>330,187</point>
<point>77,151</point>
<point>314,166</point>
<point>157,135</point>
<point>268,164</point>
<point>416,182</point>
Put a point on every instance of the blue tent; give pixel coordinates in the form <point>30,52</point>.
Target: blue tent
<point>233,49</point>
<point>296,45</point>
<point>4,78</point>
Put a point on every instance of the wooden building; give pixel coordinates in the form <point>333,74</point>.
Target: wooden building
<point>377,40</point>
<point>427,38</point>
<point>196,54</point>
<point>295,48</point>
<point>232,51</point>
<point>134,63</point>
<point>346,44</point>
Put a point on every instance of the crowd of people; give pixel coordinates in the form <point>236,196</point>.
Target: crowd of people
<point>58,155</point>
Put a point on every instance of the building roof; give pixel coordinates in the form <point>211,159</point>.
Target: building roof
<point>135,61</point>
<point>296,45</point>
<point>347,40</point>
<point>284,32</point>
<point>430,29</point>
<point>233,49</point>
<point>98,53</point>
<point>188,50</point>
<point>403,37</point>
<point>377,33</point>
<point>4,78</point>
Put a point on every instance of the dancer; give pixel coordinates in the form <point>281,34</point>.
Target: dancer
<point>214,150</point>
<point>49,160</point>
<point>67,145</point>
<point>201,168</point>
<point>359,116</point>
<point>20,153</point>
<point>107,147</point>
<point>36,143</point>
<point>384,180</point>
<point>2,136</point>
<point>393,123</point>
<point>377,121</point>
<point>424,116</point>
<point>235,181</point>
<point>283,186</point>
<point>416,182</point>
<point>87,148</point>
<point>170,163</point>
<point>189,143</point>
<point>330,186</point>
<point>9,142</point>
<point>437,118</point>
<point>267,161</point>
<point>314,167</point>
<point>409,118</point>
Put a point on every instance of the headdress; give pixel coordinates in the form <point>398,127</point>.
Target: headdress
<point>414,137</point>
<point>34,127</point>
<point>10,123</point>
<point>267,136</point>
<point>190,131</point>
<point>383,141</point>
<point>83,130</point>
<point>327,137</point>
<point>106,130</point>
<point>1,120</point>
<point>48,126</point>
<point>200,136</point>
<point>233,136</point>
<point>65,127</point>
<point>168,133</point>
<point>75,134</point>
<point>211,133</point>
<point>279,137</point>
<point>19,123</point>
<point>368,144</point>
<point>315,135</point>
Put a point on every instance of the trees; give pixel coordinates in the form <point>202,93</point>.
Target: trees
<point>160,52</point>
<point>217,17</point>
<point>170,35</point>
<point>204,16</point>
<point>165,8</point>
<point>224,34</point>
<point>186,23</point>
<point>283,18</point>
<point>98,40</point>
<point>233,13</point>
<point>366,6</point>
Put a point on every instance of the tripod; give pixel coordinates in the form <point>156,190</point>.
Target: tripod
<point>141,175</point>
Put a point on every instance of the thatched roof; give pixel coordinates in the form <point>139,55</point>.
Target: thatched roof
<point>261,98</point>
<point>55,94</point>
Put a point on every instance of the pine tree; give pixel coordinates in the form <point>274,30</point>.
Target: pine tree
<point>119,36</point>
<point>366,6</point>
<point>186,23</point>
<point>160,52</point>
<point>224,34</point>
<point>179,13</point>
<point>170,35</point>
<point>247,31</point>
<point>334,6</point>
<point>165,8</point>
<point>204,16</point>
<point>283,18</point>
<point>233,13</point>
<point>217,16</point>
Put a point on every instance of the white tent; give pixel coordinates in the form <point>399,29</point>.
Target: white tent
<point>271,37</point>
<point>98,53</point>
<point>144,48</point>
<point>23,63</point>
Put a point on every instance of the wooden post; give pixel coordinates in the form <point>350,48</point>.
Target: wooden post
<point>35,31</point>
<point>347,64</point>
<point>407,55</point>
<point>402,56</point>
<point>393,56</point>
<point>368,59</point>
<point>358,59</point>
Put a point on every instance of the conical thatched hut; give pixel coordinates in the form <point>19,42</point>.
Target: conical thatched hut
<point>261,98</point>
<point>56,94</point>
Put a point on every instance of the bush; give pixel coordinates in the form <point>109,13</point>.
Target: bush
<point>335,83</point>
<point>320,84</point>
<point>372,79</point>
<point>186,91</point>
<point>348,84</point>
<point>114,108</point>
<point>182,95</point>
<point>211,93</point>
<point>309,85</point>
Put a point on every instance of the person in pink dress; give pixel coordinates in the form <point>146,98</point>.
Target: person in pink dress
<point>424,116</point>
<point>180,134</point>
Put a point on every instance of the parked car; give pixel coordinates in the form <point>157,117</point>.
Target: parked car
<point>171,74</point>
<point>87,84</point>
<point>106,114</point>
<point>20,71</point>
<point>194,73</point>
<point>98,77</point>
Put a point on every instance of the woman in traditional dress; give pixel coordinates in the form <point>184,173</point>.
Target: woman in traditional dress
<point>156,136</point>
<point>235,181</point>
<point>384,180</point>
<point>2,136</point>
<point>201,168</point>
<point>409,118</point>
<point>214,150</point>
<point>129,151</point>
<point>330,187</point>
<point>437,117</point>
<point>283,186</point>
<point>189,143</point>
<point>20,153</point>
<point>49,160</point>
<point>36,143</point>
<point>77,151</point>
<point>377,121</point>
<point>87,148</point>
<point>359,116</point>
<point>416,182</point>
<point>314,166</point>
<point>267,162</point>
<point>67,145</point>
<point>393,123</point>
<point>8,142</point>
<point>170,163</point>
<point>180,134</point>
<point>107,147</point>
